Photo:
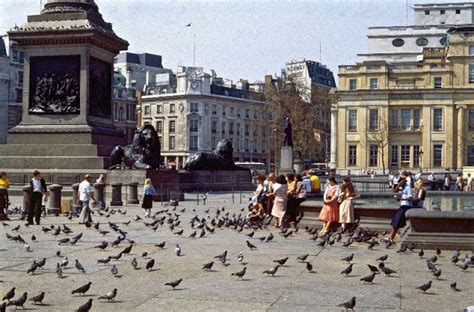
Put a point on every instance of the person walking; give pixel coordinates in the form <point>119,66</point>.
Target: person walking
<point>38,190</point>
<point>5,183</point>
<point>330,212</point>
<point>346,207</point>
<point>432,179</point>
<point>459,183</point>
<point>148,193</point>
<point>292,204</point>
<point>86,195</point>
<point>406,198</point>
<point>469,183</point>
<point>268,185</point>
<point>280,190</point>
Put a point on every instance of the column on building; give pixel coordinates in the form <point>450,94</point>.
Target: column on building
<point>333,136</point>
<point>460,136</point>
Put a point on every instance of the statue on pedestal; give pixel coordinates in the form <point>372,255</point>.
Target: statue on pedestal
<point>288,133</point>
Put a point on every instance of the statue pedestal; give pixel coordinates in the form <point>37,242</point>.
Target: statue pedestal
<point>286,160</point>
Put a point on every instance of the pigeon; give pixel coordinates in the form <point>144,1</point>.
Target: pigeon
<point>38,298</point>
<point>438,251</point>
<point>65,262</point>
<point>251,246</point>
<point>309,267</point>
<point>433,259</point>
<point>464,267</point>
<point>348,258</point>
<point>16,228</point>
<point>240,257</point>
<point>177,250</point>
<point>431,266</point>
<point>369,278</point>
<point>222,257</point>
<point>127,250</point>
<point>347,270</point>
<point>33,237</point>
<point>41,263</point>
<point>250,234</point>
<point>82,290</point>
<point>179,232</point>
<point>202,234</point>
<point>9,295</point>
<point>114,270</point>
<point>150,264</point>
<point>349,305</point>
<point>85,307</point>
<point>105,260</point>
<point>144,254</point>
<point>63,241</point>
<point>208,266</point>
<point>373,269</point>
<point>58,253</point>
<point>302,258</point>
<point>240,274</point>
<point>453,286</point>
<point>20,301</point>
<point>134,263</point>
<point>386,270</point>
<point>382,258</point>
<point>421,253</point>
<point>193,234</point>
<point>437,274</point>
<point>161,245</point>
<point>110,295</point>
<point>27,248</point>
<point>174,284</point>
<point>281,261</point>
<point>32,267</point>
<point>102,246</point>
<point>456,253</point>
<point>272,270</point>
<point>79,267</point>
<point>59,271</point>
<point>425,287</point>
<point>269,238</point>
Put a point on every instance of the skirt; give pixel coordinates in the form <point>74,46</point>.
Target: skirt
<point>147,202</point>
<point>399,220</point>
<point>329,212</point>
<point>346,211</point>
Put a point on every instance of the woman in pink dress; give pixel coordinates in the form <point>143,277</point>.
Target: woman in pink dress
<point>280,190</point>
<point>330,211</point>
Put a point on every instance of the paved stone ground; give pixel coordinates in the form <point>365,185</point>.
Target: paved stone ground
<point>292,288</point>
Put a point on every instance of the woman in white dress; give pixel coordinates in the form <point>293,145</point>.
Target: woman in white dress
<point>280,190</point>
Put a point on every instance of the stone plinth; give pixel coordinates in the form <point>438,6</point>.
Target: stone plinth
<point>440,229</point>
<point>132,193</point>
<point>286,160</point>
<point>99,190</point>
<point>55,198</point>
<point>116,195</point>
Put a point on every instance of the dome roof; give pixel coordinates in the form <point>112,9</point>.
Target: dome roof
<point>54,6</point>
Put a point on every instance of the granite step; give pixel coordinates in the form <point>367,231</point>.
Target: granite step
<point>49,150</point>
<point>52,162</point>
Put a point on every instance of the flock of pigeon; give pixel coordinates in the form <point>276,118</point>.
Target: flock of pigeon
<point>199,227</point>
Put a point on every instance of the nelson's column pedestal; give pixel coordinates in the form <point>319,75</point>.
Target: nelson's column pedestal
<point>67,93</point>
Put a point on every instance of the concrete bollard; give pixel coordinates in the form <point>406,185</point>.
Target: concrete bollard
<point>26,200</point>
<point>132,190</point>
<point>55,198</point>
<point>3,203</point>
<point>116,195</point>
<point>99,195</point>
<point>75,196</point>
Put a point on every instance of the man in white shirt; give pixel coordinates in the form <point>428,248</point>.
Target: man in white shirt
<point>86,194</point>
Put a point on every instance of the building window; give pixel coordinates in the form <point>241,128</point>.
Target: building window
<point>159,109</point>
<point>471,120</point>
<point>214,126</point>
<point>352,84</point>
<point>399,42</point>
<point>247,145</point>
<point>193,125</point>
<point>214,109</point>
<point>416,156</point>
<point>223,128</point>
<point>471,73</point>
<point>441,12</point>
<point>238,129</point>
<point>194,107</point>
<point>172,143</point>
<point>232,111</point>
<point>147,110</point>
<point>470,155</point>
<point>247,129</point>
<point>172,108</point>
<point>159,126</point>
<point>193,142</point>
<point>231,128</point>
<point>437,119</point>
<point>427,12</point>
<point>352,156</point>
<point>394,119</point>
<point>373,119</point>
<point>458,11</point>
<point>421,42</point>
<point>223,111</point>
<point>437,155</point>
<point>438,82</point>
<point>247,113</point>
<point>20,77</point>
<point>374,155</point>
<point>406,119</point>
<point>374,83</point>
<point>352,120</point>
<point>394,156</point>
<point>471,50</point>
<point>172,126</point>
<point>416,119</point>
<point>405,156</point>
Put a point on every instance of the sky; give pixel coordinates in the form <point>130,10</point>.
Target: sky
<point>239,38</point>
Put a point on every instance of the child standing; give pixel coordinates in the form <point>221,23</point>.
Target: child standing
<point>148,192</point>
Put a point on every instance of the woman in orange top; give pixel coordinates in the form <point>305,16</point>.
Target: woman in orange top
<point>330,211</point>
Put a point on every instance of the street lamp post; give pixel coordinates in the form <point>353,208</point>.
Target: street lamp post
<point>275,147</point>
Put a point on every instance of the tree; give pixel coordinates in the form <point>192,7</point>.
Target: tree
<point>381,137</point>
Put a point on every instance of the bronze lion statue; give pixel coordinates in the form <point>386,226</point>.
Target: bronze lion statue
<point>143,153</point>
<point>219,159</point>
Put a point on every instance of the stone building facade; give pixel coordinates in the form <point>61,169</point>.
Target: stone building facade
<point>205,109</point>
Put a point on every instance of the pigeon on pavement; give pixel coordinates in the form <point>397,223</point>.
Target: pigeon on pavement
<point>85,307</point>
<point>38,298</point>
<point>110,295</point>
<point>425,287</point>
<point>174,284</point>
<point>349,305</point>
<point>82,290</point>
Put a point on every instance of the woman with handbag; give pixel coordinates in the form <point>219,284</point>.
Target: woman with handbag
<point>330,211</point>
<point>346,207</point>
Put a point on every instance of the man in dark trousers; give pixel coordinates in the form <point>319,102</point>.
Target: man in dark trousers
<point>38,189</point>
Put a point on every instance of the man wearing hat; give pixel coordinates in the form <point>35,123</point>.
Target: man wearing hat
<point>86,194</point>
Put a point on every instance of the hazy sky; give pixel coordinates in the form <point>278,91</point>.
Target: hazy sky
<point>240,39</point>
